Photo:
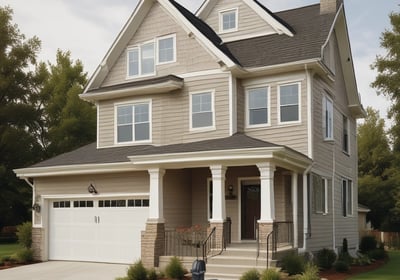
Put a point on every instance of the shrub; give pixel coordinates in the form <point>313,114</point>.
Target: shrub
<point>293,264</point>
<point>252,274</point>
<point>341,266</point>
<point>137,271</point>
<point>152,275</point>
<point>24,255</point>
<point>368,243</point>
<point>326,258</point>
<point>175,269</point>
<point>311,273</point>
<point>270,274</point>
<point>362,260</point>
<point>344,255</point>
<point>377,254</point>
<point>122,278</point>
<point>24,234</point>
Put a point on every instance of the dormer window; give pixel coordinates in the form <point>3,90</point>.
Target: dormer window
<point>166,49</point>
<point>141,60</point>
<point>228,20</point>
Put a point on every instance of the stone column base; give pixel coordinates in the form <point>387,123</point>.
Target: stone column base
<point>263,230</point>
<point>37,241</point>
<point>153,239</point>
<point>219,234</point>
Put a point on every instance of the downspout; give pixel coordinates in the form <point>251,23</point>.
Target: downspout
<point>333,198</point>
<point>33,196</point>
<point>305,209</point>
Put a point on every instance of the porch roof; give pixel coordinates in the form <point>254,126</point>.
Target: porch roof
<point>91,156</point>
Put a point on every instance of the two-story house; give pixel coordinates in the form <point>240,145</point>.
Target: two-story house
<point>233,112</point>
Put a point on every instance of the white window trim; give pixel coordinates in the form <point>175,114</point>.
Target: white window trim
<point>132,103</point>
<point>139,48</point>
<point>247,116</point>
<point>221,20</point>
<point>280,122</point>
<point>324,124</point>
<point>205,128</point>
<point>325,211</point>
<point>348,215</point>
<point>173,36</point>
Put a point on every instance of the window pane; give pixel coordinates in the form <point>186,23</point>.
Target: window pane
<point>166,50</point>
<point>202,119</point>
<point>141,113</point>
<point>229,20</point>
<point>148,59</point>
<point>142,131</point>
<point>258,98</point>
<point>124,115</point>
<point>289,94</point>
<point>290,113</point>
<point>124,133</point>
<point>133,62</point>
<point>258,116</point>
<point>146,203</point>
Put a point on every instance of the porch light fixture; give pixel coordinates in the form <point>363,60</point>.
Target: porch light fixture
<point>92,189</point>
<point>230,195</point>
<point>36,207</point>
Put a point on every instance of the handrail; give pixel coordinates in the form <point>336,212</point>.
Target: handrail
<point>206,244</point>
<point>268,238</point>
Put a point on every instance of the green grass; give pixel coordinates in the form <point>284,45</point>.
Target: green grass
<point>389,271</point>
<point>7,250</point>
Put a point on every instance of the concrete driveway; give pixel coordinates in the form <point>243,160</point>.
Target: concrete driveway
<point>57,270</point>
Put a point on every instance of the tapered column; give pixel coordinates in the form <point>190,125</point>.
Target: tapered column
<point>267,171</point>
<point>156,212</point>
<point>295,204</point>
<point>218,181</point>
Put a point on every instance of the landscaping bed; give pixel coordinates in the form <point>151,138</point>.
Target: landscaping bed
<point>354,270</point>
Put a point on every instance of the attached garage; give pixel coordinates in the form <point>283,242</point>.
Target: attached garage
<point>97,230</point>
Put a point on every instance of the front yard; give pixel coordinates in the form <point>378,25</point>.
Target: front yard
<point>7,250</point>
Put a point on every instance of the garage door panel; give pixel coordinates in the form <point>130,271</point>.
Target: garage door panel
<point>101,234</point>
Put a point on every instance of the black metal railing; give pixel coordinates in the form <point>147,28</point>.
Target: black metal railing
<point>209,243</point>
<point>184,243</point>
<point>283,234</point>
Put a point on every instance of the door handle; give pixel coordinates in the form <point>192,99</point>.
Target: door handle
<point>95,219</point>
<point>98,219</point>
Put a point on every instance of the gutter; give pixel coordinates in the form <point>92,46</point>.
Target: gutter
<point>305,210</point>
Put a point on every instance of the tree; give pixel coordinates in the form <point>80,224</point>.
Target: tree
<point>69,122</point>
<point>18,147</point>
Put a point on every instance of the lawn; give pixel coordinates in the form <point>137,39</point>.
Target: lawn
<point>389,271</point>
<point>8,249</point>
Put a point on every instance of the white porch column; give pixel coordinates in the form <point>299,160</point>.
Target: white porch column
<point>295,205</point>
<point>267,192</point>
<point>156,212</point>
<point>218,181</point>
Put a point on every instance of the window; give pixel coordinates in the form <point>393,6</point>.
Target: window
<point>83,204</point>
<point>320,194</point>
<point>257,106</point>
<point>289,100</point>
<point>347,197</point>
<point>327,118</point>
<point>229,20</point>
<point>166,49</point>
<point>133,123</point>
<point>62,204</point>
<point>202,110</point>
<point>141,60</point>
<point>345,135</point>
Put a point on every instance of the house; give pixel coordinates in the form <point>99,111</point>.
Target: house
<point>364,226</point>
<point>234,112</point>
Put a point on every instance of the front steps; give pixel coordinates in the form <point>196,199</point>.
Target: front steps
<point>236,260</point>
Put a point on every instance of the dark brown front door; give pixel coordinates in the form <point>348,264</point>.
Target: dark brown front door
<point>251,208</point>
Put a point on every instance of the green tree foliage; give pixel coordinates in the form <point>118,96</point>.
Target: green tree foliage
<point>69,121</point>
<point>18,147</point>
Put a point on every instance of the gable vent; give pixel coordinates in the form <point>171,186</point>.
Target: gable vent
<point>330,6</point>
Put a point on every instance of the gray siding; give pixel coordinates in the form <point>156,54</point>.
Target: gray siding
<point>191,55</point>
<point>250,23</point>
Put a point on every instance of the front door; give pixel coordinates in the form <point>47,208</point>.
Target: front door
<point>251,208</point>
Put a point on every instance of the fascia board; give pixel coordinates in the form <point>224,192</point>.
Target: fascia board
<point>78,169</point>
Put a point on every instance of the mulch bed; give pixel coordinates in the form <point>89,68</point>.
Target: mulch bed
<point>354,270</point>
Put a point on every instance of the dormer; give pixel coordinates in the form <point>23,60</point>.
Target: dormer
<point>235,20</point>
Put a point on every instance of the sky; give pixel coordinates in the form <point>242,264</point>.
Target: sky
<point>88,28</point>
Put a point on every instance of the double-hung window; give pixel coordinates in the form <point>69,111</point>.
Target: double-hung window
<point>202,110</point>
<point>347,197</point>
<point>327,107</point>
<point>228,20</point>
<point>320,194</point>
<point>141,60</point>
<point>133,123</point>
<point>257,106</point>
<point>345,135</point>
<point>289,100</point>
<point>166,49</point>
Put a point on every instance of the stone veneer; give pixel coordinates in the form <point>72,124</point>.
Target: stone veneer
<point>37,237</point>
<point>264,230</point>
<point>153,239</point>
<point>219,232</point>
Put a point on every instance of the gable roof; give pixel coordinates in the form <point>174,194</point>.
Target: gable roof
<point>279,25</point>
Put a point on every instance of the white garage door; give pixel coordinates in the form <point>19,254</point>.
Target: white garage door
<point>103,230</point>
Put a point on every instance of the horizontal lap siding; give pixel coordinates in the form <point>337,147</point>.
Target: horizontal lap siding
<point>171,113</point>
<point>191,55</point>
<point>129,182</point>
<point>249,21</point>
<point>293,135</point>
